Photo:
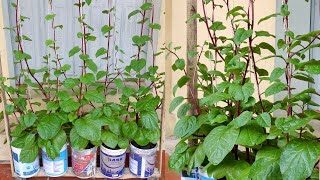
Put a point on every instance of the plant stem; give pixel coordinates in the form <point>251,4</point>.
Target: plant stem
<point>108,49</point>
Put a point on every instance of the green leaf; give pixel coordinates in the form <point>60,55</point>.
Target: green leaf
<point>106,29</point>
<point>266,165</point>
<point>146,6</point>
<point>101,74</point>
<point>18,55</point>
<point>183,81</point>
<point>138,65</point>
<point>107,111</point>
<point>184,126</point>
<point>175,103</point>
<point>28,119</point>
<point>298,159</point>
<point>313,68</point>
<point>243,119</point>
<point>109,139</point>
<point>180,64</point>
<point>88,129</point>
<point>275,88</point>
<point>49,42</point>
<point>77,142</point>
<point>101,52</point>
<point>49,126</point>
<point>264,34</point>
<point>197,158</point>
<point>217,26</point>
<point>140,139</point>
<point>276,74</point>
<point>87,79</point>
<point>133,13</point>
<point>241,35</point>
<point>74,51</point>
<point>59,141</point>
<point>94,96</point>
<point>178,161</point>
<point>231,169</point>
<point>285,10</point>
<point>19,142</point>
<point>50,150</point>
<point>91,65</point>
<point>50,16</point>
<point>29,141</point>
<point>153,136</point>
<point>219,143</point>
<point>88,2</point>
<point>264,119</point>
<point>29,155</point>
<point>183,110</point>
<point>181,147</point>
<point>70,83</point>
<point>129,129</point>
<point>214,98</point>
<point>123,143</point>
<point>251,135</point>
<point>140,40</point>
<point>291,123</point>
<point>155,26</point>
<point>149,119</point>
<point>267,46</point>
<point>69,105</point>
<point>267,17</point>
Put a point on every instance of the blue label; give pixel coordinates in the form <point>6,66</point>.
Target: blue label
<point>25,169</point>
<point>144,165</point>
<point>112,166</point>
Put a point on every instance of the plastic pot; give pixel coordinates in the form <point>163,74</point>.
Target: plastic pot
<point>24,170</point>
<point>58,166</point>
<point>112,162</point>
<point>142,159</point>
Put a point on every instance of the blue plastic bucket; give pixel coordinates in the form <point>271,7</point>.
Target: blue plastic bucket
<point>112,162</point>
<point>142,161</point>
<point>24,170</point>
<point>58,166</point>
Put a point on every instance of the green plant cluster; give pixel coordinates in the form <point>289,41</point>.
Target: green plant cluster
<point>235,132</point>
<point>56,109</point>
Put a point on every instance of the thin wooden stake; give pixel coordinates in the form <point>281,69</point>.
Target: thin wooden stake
<point>6,121</point>
<point>192,61</point>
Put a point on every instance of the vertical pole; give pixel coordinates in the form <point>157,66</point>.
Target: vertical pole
<point>192,61</point>
<point>6,121</point>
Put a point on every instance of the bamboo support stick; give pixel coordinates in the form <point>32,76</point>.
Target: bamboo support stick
<point>6,121</point>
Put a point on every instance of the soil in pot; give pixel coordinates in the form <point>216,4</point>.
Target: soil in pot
<point>58,166</point>
<point>24,170</point>
<point>112,161</point>
<point>142,159</point>
<point>84,161</point>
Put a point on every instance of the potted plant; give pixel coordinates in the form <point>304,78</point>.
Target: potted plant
<point>142,99</point>
<point>236,133</point>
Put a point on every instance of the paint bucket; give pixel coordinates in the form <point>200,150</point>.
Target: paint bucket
<point>204,175</point>
<point>142,161</point>
<point>192,176</point>
<point>58,166</point>
<point>112,162</point>
<point>24,170</point>
<point>84,162</point>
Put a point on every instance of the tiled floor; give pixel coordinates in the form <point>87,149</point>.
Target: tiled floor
<point>5,173</point>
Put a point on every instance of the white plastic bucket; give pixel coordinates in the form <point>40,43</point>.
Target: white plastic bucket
<point>58,166</point>
<point>84,162</point>
<point>204,175</point>
<point>24,170</point>
<point>112,162</point>
<point>142,161</point>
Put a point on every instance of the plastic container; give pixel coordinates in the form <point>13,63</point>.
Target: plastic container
<point>24,170</point>
<point>58,166</point>
<point>84,162</point>
<point>142,161</point>
<point>204,175</point>
<point>192,176</point>
<point>112,162</point>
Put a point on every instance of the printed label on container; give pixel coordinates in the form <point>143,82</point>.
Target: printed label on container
<point>84,162</point>
<point>193,175</point>
<point>112,166</point>
<point>56,167</point>
<point>25,170</point>
<point>142,165</point>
